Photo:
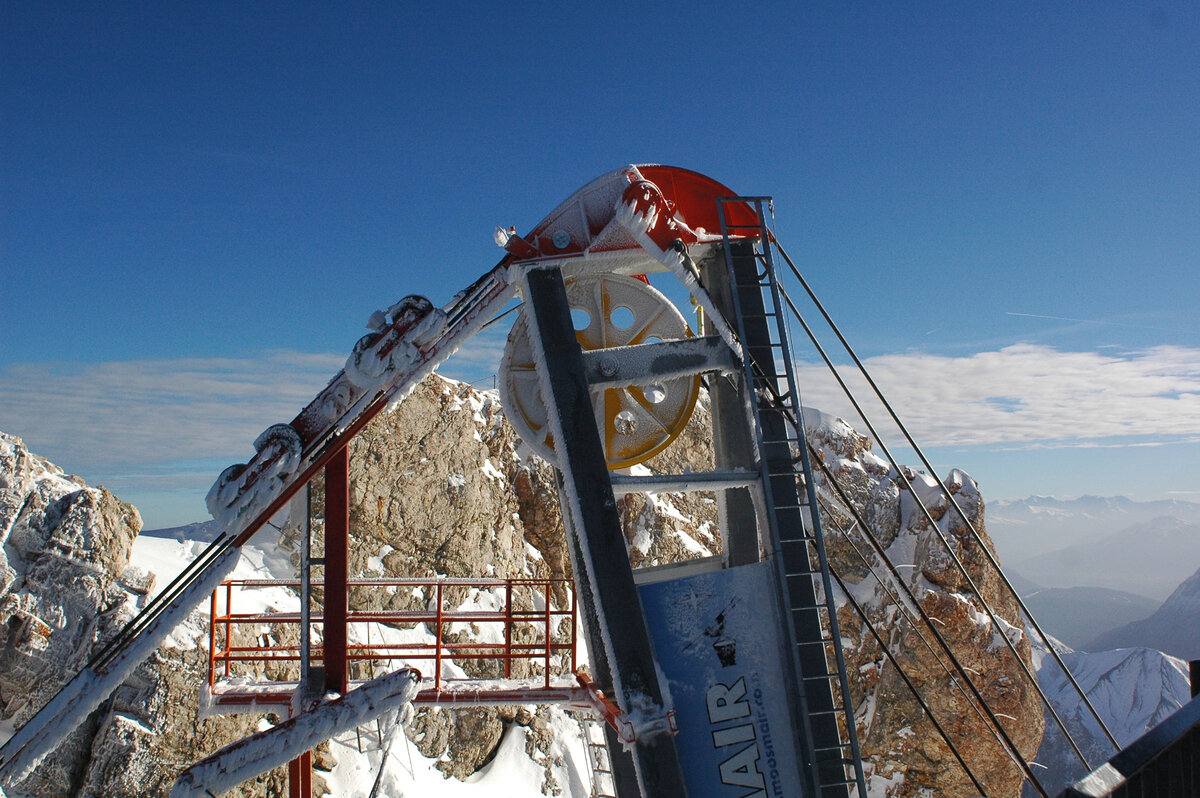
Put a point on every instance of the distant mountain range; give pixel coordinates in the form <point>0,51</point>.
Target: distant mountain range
<point>1149,559</point>
<point>1025,528</point>
<point>1174,628</point>
<point>1095,570</point>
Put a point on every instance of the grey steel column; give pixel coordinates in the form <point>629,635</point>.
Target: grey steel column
<point>608,596</point>
<point>733,444</point>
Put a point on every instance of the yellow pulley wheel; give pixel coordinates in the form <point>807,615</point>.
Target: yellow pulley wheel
<point>636,422</point>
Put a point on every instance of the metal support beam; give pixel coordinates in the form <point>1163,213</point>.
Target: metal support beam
<point>337,574</point>
<point>607,592</point>
<point>337,569</point>
<point>732,441</point>
<point>622,366</point>
<point>685,483</point>
<point>300,776</point>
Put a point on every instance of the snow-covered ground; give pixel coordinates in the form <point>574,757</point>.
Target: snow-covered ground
<point>361,755</point>
<point>408,774</point>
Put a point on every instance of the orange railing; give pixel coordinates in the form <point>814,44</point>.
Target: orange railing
<point>522,625</point>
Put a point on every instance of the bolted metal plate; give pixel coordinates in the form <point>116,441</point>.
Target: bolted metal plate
<point>636,422</point>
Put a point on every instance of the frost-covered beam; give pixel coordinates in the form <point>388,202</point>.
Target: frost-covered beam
<point>69,709</point>
<point>607,593</point>
<point>734,445</point>
<point>685,483</point>
<point>654,362</point>
<point>277,746</point>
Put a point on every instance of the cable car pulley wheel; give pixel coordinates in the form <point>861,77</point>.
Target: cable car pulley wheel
<point>636,422</point>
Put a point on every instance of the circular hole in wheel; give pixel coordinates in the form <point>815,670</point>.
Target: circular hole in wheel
<point>625,423</point>
<point>622,318</point>
<point>655,393</point>
<point>580,318</point>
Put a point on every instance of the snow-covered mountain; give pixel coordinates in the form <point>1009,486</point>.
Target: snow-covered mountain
<point>1025,528</point>
<point>1132,689</point>
<point>1173,628</point>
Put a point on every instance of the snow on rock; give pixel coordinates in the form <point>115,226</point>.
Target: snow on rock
<point>890,503</point>
<point>75,570</point>
<point>520,767</point>
<point>64,547</point>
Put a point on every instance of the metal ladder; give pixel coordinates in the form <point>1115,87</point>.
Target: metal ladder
<point>592,733</point>
<point>833,758</point>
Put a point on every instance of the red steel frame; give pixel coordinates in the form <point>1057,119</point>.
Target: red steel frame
<point>337,571</point>
<point>554,641</point>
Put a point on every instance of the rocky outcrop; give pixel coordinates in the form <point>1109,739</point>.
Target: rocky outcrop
<point>902,751</point>
<point>65,545</point>
<point>65,589</point>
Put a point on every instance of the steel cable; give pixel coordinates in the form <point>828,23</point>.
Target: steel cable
<point>907,681</point>
<point>953,502</point>
<point>993,617</point>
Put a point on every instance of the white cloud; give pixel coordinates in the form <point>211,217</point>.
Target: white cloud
<point>150,413</point>
<point>1029,395</point>
<point>159,431</point>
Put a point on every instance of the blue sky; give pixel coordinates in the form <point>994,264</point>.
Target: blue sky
<point>200,204</point>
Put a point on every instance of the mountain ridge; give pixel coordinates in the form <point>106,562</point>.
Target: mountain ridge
<point>1023,528</point>
<point>1173,628</point>
<point>1148,559</point>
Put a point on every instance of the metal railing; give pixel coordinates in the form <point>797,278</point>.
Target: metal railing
<point>517,621</point>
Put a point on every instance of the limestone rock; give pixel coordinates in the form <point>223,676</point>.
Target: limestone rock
<point>67,589</point>
<point>896,737</point>
<point>62,545</point>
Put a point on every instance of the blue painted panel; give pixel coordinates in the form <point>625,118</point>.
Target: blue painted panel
<point>717,640</point>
